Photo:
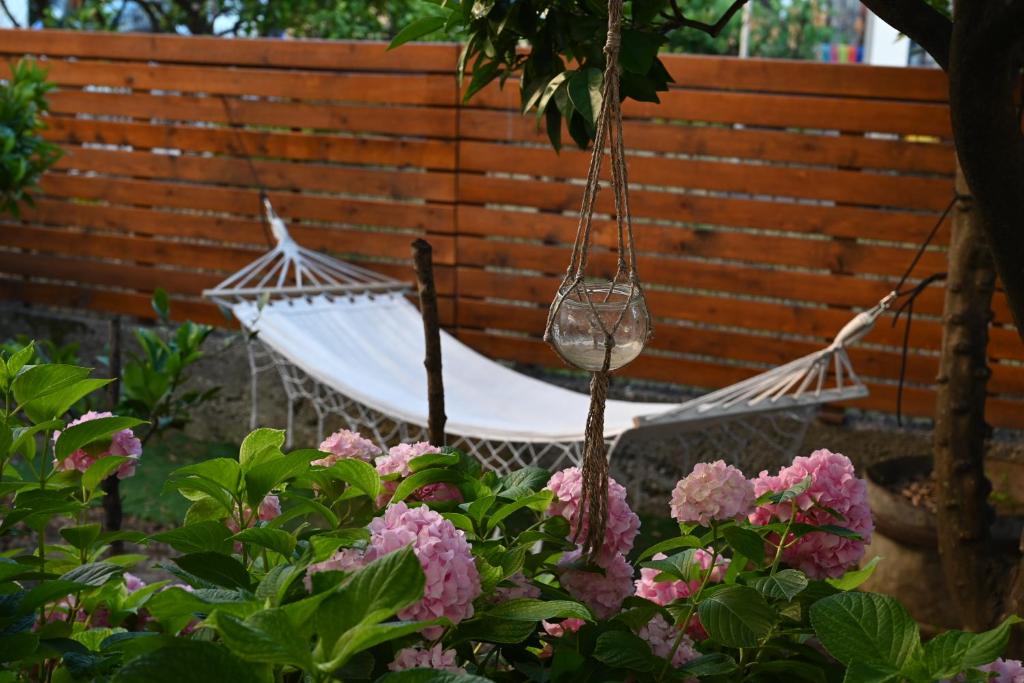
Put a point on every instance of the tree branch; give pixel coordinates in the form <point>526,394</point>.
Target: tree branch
<point>7,11</point>
<point>920,21</point>
<point>679,20</point>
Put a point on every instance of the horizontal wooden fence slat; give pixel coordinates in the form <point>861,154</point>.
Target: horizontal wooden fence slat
<point>850,187</point>
<point>771,199</point>
<point>292,146</point>
<point>294,85</point>
<point>850,151</point>
<point>379,119</point>
<point>282,54</point>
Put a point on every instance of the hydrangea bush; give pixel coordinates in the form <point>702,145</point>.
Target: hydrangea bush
<point>349,563</point>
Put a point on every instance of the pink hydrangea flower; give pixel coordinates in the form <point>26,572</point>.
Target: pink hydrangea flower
<point>270,507</point>
<point>623,524</point>
<point>661,636</point>
<point>421,658</point>
<point>520,588</point>
<point>452,579</point>
<point>712,492</point>
<point>1005,670</point>
<point>834,484</point>
<point>123,443</point>
<point>345,444</point>
<point>559,629</point>
<point>602,593</point>
<point>345,560</point>
<point>664,592</point>
<point>133,583</point>
<point>397,462</point>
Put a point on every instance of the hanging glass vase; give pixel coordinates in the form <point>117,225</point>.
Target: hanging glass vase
<point>595,312</point>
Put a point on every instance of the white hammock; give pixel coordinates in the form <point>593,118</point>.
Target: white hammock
<point>347,340</point>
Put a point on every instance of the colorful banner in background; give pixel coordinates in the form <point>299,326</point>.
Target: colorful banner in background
<point>840,53</point>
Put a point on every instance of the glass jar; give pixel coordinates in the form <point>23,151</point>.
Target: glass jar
<point>578,336</point>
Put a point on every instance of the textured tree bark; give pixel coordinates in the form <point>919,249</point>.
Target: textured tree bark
<point>963,513</point>
<point>422,258</point>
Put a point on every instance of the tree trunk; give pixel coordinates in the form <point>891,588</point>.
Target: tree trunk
<point>112,508</point>
<point>423,259</point>
<point>964,515</point>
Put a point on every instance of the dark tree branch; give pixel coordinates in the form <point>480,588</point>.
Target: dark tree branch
<point>10,16</point>
<point>920,21</point>
<point>679,20</point>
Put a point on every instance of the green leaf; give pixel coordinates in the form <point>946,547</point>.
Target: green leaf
<point>784,585</point>
<point>415,482</point>
<point>94,573</point>
<point>865,672</point>
<point>736,616</point>
<point>18,646</point>
<point>429,676</point>
<point>790,669</point>
<point>359,474</point>
<point>55,404</point>
<point>268,636</point>
<point>85,433</point>
<point>417,29</point>
<point>788,494</point>
<point>523,481</point>
<point>24,437</point>
<point>670,544</point>
<point>160,304</point>
<point>38,381</point>
<point>851,580</point>
<point>81,537</point>
<point>623,650</point>
<point>550,89</point>
<point>537,501</point>
<point>208,536</point>
<point>684,566</point>
<point>746,542</point>
<point>867,628</point>
<point>365,636</point>
<point>584,88</point>
<point>257,444</point>
<point>494,630</point>
<point>221,570</point>
<point>101,469</point>
<point>954,651</point>
<point>195,661</point>
<point>528,609</point>
<point>638,50</point>
<point>714,664</point>
<point>263,478</point>
<point>433,460</point>
<point>273,539</point>
<point>205,510</point>
<point>19,358</point>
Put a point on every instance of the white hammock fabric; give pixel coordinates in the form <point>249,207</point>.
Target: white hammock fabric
<point>348,341</point>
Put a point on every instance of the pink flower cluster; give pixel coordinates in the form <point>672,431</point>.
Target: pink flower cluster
<point>422,658</point>
<point>123,443</point>
<point>602,592</point>
<point>397,462</point>
<point>664,592</point>
<point>661,636</point>
<point>834,485</point>
<point>1005,670</point>
<point>623,524</point>
<point>712,492</point>
<point>452,579</point>
<point>270,507</point>
<point>345,444</point>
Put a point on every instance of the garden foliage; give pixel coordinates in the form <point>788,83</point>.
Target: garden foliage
<point>24,154</point>
<point>345,563</point>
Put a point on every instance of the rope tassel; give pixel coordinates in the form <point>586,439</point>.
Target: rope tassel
<point>619,307</point>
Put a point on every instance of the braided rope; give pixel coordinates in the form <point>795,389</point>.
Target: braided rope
<point>608,128</point>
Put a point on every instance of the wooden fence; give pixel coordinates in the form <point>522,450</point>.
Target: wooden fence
<point>771,198</point>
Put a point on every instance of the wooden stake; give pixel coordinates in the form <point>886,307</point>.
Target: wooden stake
<point>422,254</point>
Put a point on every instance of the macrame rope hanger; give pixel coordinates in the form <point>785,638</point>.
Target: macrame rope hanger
<point>594,298</point>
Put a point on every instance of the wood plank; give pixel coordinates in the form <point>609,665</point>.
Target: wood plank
<point>278,175</point>
<point>846,186</point>
<point>657,247</point>
<point>293,85</point>
<point>851,151</point>
<point>431,218</point>
<point>811,322</point>
<point>814,78</point>
<point>214,257</point>
<point>778,111</point>
<point>432,154</point>
<point>832,221</point>
<point>381,119</point>
<point>267,52</point>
